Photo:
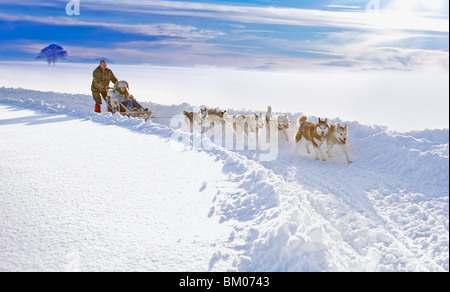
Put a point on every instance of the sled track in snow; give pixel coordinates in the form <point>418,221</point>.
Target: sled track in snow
<point>297,214</point>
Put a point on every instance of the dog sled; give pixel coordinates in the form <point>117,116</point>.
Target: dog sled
<point>142,113</point>
<point>118,94</point>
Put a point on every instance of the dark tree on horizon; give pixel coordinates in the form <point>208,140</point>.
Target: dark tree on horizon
<point>52,53</point>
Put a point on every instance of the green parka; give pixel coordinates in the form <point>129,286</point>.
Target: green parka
<point>102,79</point>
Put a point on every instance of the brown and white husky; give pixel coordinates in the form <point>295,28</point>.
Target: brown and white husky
<point>314,134</point>
<point>338,136</point>
<point>195,118</point>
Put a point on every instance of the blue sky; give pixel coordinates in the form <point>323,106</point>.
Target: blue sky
<point>261,34</point>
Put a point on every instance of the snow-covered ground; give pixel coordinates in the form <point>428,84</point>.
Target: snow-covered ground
<point>96,192</point>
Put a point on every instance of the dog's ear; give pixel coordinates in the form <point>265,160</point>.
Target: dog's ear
<point>346,127</point>
<point>338,125</point>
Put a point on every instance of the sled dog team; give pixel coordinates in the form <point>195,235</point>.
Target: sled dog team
<point>315,134</point>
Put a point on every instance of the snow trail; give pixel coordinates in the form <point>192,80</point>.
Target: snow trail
<point>386,212</point>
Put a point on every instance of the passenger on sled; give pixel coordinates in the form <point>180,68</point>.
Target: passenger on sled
<point>121,100</point>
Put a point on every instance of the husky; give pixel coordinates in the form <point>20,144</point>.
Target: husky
<point>233,120</point>
<point>338,135</point>
<point>314,134</point>
<point>280,122</point>
<point>215,113</point>
<point>214,118</point>
<point>255,123</point>
<point>195,118</point>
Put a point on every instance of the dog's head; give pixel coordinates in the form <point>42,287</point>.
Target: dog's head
<point>203,113</point>
<point>322,128</point>
<point>341,133</point>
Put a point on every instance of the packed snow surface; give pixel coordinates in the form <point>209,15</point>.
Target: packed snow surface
<point>101,192</point>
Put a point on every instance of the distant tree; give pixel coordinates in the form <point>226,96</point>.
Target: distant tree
<point>52,53</point>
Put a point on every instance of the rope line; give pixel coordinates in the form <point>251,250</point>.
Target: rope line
<point>151,117</point>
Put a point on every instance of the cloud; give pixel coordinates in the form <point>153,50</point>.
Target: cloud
<point>378,50</point>
<point>344,6</point>
<point>154,29</point>
<point>280,16</point>
<point>351,18</point>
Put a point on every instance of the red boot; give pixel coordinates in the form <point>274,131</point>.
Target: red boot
<point>98,108</point>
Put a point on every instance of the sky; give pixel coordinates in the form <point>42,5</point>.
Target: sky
<point>260,34</point>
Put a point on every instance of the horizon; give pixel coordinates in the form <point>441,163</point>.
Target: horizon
<point>401,101</point>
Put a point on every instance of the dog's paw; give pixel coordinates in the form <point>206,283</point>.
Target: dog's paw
<point>350,162</point>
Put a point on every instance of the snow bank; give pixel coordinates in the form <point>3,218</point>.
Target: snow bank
<point>386,212</point>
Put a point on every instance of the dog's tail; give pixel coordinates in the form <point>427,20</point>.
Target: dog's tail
<point>189,115</point>
<point>302,120</point>
<point>268,113</point>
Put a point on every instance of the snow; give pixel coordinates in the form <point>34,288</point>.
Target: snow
<point>101,192</point>
<point>112,201</point>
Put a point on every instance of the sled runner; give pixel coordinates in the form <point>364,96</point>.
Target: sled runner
<point>146,115</point>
